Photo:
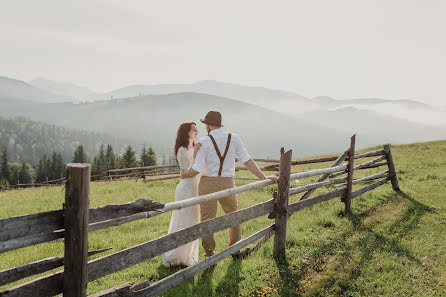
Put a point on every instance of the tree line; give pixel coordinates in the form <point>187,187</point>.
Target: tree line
<point>54,167</point>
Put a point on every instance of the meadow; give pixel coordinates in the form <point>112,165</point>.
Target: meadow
<point>393,243</point>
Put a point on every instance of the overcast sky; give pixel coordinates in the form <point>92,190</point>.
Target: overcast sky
<point>344,49</point>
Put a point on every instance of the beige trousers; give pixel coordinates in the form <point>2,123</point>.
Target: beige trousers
<point>208,209</point>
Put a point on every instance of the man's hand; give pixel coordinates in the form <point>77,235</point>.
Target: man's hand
<point>188,174</point>
<point>197,147</point>
<point>275,179</point>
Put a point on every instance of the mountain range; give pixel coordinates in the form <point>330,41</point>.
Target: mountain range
<point>267,119</point>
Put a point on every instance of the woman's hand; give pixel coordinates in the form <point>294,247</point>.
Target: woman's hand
<point>197,148</point>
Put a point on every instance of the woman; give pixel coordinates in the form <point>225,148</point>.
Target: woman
<point>185,151</point>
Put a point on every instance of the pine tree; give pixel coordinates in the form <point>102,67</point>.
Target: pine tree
<point>5,173</point>
<point>79,155</point>
<point>41,172</point>
<point>58,166</point>
<point>101,161</point>
<point>143,160</point>
<point>110,158</point>
<point>128,158</point>
<point>24,174</point>
<point>151,156</point>
<point>147,157</point>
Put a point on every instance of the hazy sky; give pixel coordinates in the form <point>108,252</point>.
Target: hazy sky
<point>344,49</point>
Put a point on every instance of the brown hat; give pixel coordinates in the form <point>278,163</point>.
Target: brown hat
<point>213,118</point>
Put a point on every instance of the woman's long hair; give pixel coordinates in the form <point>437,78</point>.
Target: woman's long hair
<point>182,139</point>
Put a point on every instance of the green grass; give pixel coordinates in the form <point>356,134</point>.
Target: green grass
<point>391,244</point>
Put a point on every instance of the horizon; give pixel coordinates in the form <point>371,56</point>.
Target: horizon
<point>205,80</point>
<point>315,48</point>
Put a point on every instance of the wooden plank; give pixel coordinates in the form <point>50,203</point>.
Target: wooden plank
<point>161,178</point>
<point>314,172</point>
<point>30,240</point>
<point>131,256</point>
<point>347,198</point>
<point>281,205</point>
<point>301,204</point>
<point>316,185</point>
<point>391,165</point>
<point>139,168</point>
<point>379,152</point>
<point>14,274</point>
<point>144,289</point>
<point>337,162</point>
<point>77,200</point>
<point>113,211</point>
<point>366,165</point>
<point>26,225</point>
<point>370,177</point>
<point>370,187</point>
<point>216,195</point>
<point>122,220</point>
<point>49,285</point>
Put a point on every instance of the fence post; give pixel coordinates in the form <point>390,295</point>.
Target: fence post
<point>77,199</point>
<point>351,158</point>
<point>391,165</point>
<point>281,204</point>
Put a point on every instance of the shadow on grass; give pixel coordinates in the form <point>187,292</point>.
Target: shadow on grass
<point>386,240</point>
<point>369,240</point>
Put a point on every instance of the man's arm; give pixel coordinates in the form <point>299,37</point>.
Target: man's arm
<point>252,166</point>
<point>189,173</point>
<point>199,161</point>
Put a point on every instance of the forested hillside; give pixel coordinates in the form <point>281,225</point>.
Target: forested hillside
<point>28,140</point>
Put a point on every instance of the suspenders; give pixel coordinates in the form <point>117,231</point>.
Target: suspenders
<point>222,159</point>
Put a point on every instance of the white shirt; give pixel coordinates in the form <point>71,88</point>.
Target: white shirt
<point>207,161</point>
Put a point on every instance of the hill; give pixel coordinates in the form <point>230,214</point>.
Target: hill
<point>20,90</point>
<point>155,119</point>
<point>391,244</point>
<point>76,93</point>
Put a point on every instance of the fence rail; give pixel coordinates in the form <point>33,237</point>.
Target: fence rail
<point>75,221</point>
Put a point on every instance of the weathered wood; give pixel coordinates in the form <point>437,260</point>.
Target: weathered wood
<point>131,256</point>
<point>216,195</point>
<point>370,177</point>
<point>366,165</point>
<point>391,165</point>
<point>314,186</point>
<point>49,285</point>
<point>281,205</point>
<point>370,187</point>
<point>161,178</point>
<point>142,289</point>
<point>113,211</point>
<point>14,274</point>
<point>139,168</point>
<point>77,200</point>
<point>301,204</point>
<point>30,240</point>
<point>337,162</point>
<point>121,220</point>
<point>314,172</point>
<point>27,225</point>
<point>370,154</point>
<point>347,198</point>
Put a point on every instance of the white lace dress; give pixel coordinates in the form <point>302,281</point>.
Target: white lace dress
<point>186,254</point>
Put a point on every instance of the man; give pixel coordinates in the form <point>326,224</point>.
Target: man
<point>216,162</point>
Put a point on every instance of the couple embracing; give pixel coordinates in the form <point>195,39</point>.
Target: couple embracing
<point>206,167</point>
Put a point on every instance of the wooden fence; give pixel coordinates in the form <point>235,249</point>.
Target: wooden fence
<point>154,173</point>
<point>76,219</point>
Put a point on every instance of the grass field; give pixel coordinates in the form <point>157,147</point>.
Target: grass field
<point>391,244</point>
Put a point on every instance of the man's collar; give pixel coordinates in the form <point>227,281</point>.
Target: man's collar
<point>216,132</point>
